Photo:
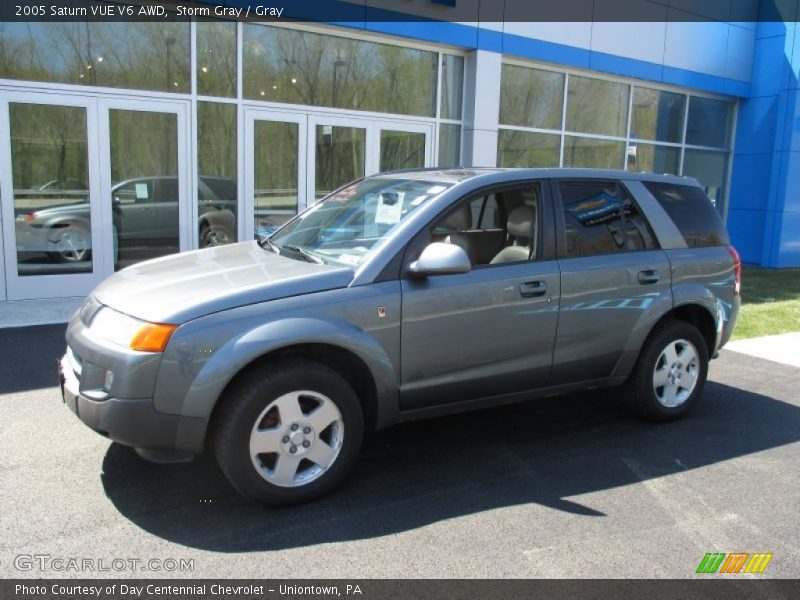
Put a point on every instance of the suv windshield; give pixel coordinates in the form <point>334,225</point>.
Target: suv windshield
<point>343,227</point>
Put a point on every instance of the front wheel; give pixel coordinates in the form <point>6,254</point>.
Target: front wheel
<point>72,244</point>
<point>215,235</point>
<point>670,374</point>
<point>288,433</point>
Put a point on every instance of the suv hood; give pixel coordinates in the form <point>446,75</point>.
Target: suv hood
<point>181,287</point>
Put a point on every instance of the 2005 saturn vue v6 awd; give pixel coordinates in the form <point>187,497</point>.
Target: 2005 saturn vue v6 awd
<point>401,296</point>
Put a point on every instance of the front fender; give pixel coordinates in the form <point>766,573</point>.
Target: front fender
<point>242,349</point>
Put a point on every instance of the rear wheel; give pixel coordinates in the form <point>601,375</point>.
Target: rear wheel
<point>289,433</point>
<point>670,374</point>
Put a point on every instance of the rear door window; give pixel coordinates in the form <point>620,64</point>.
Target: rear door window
<point>601,217</point>
<point>692,212</point>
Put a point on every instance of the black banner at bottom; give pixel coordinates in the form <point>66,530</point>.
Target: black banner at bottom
<point>385,589</point>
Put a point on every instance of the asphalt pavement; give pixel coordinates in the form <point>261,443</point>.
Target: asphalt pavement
<point>563,487</point>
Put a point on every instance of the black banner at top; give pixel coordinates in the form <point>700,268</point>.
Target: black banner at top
<point>354,11</point>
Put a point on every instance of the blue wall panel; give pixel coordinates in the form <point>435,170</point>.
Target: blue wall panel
<point>746,228</point>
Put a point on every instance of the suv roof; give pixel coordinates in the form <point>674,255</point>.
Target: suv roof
<point>460,174</point>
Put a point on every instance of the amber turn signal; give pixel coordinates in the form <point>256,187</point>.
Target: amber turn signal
<point>152,337</point>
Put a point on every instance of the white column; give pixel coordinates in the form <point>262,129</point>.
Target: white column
<point>481,108</point>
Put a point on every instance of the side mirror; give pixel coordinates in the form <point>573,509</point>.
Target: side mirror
<point>439,258</point>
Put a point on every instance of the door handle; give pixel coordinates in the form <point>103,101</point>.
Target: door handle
<point>532,289</point>
<point>648,276</point>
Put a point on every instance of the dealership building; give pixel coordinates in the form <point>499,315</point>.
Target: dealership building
<point>121,141</point>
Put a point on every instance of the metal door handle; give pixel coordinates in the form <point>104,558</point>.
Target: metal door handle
<point>532,289</point>
<point>648,276</point>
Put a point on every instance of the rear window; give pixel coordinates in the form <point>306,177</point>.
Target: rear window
<point>692,212</point>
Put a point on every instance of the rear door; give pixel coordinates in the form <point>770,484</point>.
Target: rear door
<point>612,272</point>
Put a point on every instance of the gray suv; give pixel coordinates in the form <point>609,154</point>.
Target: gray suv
<point>402,296</point>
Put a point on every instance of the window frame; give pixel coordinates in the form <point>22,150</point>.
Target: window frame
<point>560,223</point>
<point>546,245</point>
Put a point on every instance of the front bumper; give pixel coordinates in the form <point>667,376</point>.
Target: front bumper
<point>125,412</point>
<point>131,422</point>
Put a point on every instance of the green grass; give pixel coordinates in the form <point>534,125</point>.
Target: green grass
<point>770,302</point>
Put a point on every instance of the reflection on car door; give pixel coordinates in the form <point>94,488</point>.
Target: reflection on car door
<point>611,272</point>
<point>132,210</point>
<point>488,332</point>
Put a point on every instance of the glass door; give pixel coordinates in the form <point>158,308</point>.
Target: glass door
<point>52,212</point>
<point>340,148</point>
<point>345,149</point>
<point>404,146</point>
<point>275,177</point>
<point>145,179</point>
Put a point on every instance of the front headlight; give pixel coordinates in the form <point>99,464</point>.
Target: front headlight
<point>129,332</point>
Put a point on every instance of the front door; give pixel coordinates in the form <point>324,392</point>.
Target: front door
<point>491,331</point>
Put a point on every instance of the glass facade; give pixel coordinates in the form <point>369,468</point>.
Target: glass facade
<point>138,56</point>
<point>612,124</point>
<point>547,117</point>
<point>313,69</point>
<point>216,58</point>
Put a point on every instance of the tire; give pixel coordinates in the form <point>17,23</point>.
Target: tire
<point>215,235</point>
<point>676,355</point>
<point>307,420</point>
<point>73,244</point>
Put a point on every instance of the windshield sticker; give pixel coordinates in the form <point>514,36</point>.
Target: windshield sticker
<point>350,259</point>
<point>390,208</point>
<point>141,191</point>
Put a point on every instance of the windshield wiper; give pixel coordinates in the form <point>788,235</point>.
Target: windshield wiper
<point>272,246</point>
<point>309,256</point>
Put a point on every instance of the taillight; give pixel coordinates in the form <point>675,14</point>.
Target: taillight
<point>737,270</point>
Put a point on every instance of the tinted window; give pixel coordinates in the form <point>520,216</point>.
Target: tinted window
<point>591,217</point>
<point>692,212</point>
<point>167,190</point>
<point>601,217</point>
<point>638,235</point>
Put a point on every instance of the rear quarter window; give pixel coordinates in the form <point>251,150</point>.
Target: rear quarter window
<point>692,212</point>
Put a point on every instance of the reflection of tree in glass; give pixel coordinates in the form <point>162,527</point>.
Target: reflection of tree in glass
<point>402,150</point>
<point>531,97</point>
<point>299,67</point>
<point>216,139</point>
<point>597,106</point>
<point>275,158</point>
<point>657,115</point>
<point>216,58</point>
<point>527,149</point>
<point>49,152</point>
<point>152,56</point>
<point>593,153</point>
<point>143,144</point>
<point>340,154</point>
